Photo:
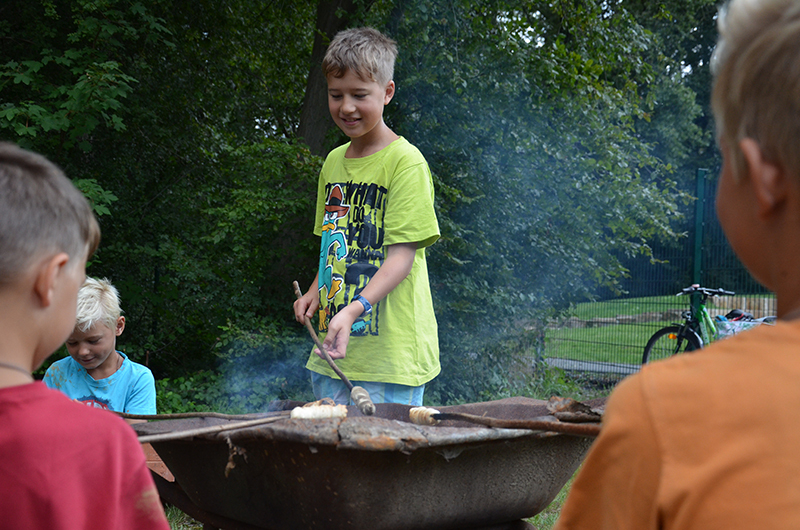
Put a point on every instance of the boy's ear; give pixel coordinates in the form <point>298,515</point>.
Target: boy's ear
<point>389,94</point>
<point>46,277</point>
<point>768,179</point>
<point>120,327</point>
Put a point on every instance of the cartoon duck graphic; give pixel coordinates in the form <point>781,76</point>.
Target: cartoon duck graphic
<point>333,241</point>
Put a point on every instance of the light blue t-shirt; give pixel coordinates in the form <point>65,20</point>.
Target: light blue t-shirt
<point>131,389</point>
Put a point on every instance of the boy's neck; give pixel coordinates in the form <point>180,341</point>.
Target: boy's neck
<point>370,144</point>
<point>17,352</point>
<point>108,368</point>
<point>13,374</point>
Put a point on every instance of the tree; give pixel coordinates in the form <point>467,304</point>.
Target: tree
<point>332,17</point>
<point>553,129</point>
<point>528,114</point>
<point>70,75</point>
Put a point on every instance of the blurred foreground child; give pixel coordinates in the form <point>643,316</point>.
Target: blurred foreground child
<point>709,440</point>
<point>63,465</point>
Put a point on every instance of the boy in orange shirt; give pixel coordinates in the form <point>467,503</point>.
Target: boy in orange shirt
<point>709,439</point>
<point>63,465</point>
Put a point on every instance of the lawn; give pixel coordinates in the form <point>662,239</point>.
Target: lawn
<point>546,519</point>
<point>620,343</point>
<point>628,306</point>
<point>616,331</point>
<point>180,521</point>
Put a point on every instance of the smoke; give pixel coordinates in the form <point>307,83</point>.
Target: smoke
<point>252,374</point>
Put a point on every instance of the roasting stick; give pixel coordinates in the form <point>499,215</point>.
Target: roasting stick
<point>358,394</point>
<point>183,415</point>
<point>179,435</point>
<point>544,423</point>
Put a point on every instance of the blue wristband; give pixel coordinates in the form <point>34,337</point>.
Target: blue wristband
<point>364,302</point>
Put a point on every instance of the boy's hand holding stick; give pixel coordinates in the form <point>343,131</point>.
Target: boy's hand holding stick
<point>358,394</point>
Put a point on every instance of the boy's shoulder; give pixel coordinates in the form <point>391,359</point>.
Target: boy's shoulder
<point>758,354</point>
<point>400,151</point>
<point>51,407</point>
<point>65,365</point>
<point>137,368</point>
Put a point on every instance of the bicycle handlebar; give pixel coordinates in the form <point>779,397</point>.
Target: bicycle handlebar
<point>705,290</point>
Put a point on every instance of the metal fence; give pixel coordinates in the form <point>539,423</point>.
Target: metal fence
<point>607,337</point>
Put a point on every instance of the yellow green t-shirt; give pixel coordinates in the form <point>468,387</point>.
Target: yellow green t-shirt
<point>364,205</point>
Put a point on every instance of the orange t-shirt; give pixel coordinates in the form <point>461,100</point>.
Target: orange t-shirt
<point>708,440</point>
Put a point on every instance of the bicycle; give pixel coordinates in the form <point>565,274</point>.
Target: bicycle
<point>692,334</point>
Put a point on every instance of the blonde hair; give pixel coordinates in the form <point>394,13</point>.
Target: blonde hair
<point>98,302</point>
<point>40,212</point>
<point>365,51</point>
<point>756,91</point>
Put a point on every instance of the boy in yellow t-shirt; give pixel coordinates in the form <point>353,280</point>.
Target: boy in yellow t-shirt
<point>709,439</point>
<point>375,216</point>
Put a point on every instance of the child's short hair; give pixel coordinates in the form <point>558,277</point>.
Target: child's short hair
<point>365,51</point>
<point>98,302</point>
<point>756,90</point>
<point>40,211</point>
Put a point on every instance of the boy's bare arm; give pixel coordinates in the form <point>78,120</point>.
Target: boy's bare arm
<point>308,304</point>
<point>396,267</point>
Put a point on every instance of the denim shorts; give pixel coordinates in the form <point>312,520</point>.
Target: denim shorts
<point>335,389</point>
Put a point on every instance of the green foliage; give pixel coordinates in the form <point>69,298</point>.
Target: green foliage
<point>254,368</point>
<point>99,198</point>
<point>544,179</point>
<point>532,118</point>
<point>71,80</point>
<point>558,133</point>
<point>233,260</point>
<point>197,392</point>
<point>264,365</point>
<point>495,368</point>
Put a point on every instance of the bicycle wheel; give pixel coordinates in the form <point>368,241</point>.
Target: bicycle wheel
<point>669,341</point>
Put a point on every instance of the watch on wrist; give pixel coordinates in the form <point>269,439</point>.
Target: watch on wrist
<point>364,302</point>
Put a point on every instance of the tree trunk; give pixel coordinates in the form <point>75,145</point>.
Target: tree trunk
<point>314,118</point>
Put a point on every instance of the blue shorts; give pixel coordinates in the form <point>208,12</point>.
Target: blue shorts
<point>335,389</point>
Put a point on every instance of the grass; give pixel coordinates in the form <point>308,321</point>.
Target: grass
<point>620,343</point>
<point>593,333</point>
<point>546,519</point>
<point>179,520</point>
<point>628,306</point>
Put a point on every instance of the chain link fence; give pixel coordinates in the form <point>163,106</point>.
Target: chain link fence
<point>606,338</point>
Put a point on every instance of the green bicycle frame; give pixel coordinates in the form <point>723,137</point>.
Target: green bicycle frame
<point>708,330</point>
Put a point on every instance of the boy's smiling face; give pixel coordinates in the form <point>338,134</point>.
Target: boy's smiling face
<point>93,348</point>
<point>356,105</point>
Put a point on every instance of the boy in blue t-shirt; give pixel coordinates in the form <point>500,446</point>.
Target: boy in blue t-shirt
<point>95,373</point>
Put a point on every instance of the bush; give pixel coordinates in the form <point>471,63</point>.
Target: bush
<point>254,368</point>
<point>483,366</point>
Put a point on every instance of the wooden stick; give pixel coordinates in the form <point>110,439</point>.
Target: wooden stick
<point>544,423</point>
<point>358,394</point>
<point>178,435</point>
<point>182,415</point>
<point>299,294</point>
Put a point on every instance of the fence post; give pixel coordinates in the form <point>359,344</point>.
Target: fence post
<point>699,223</point>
